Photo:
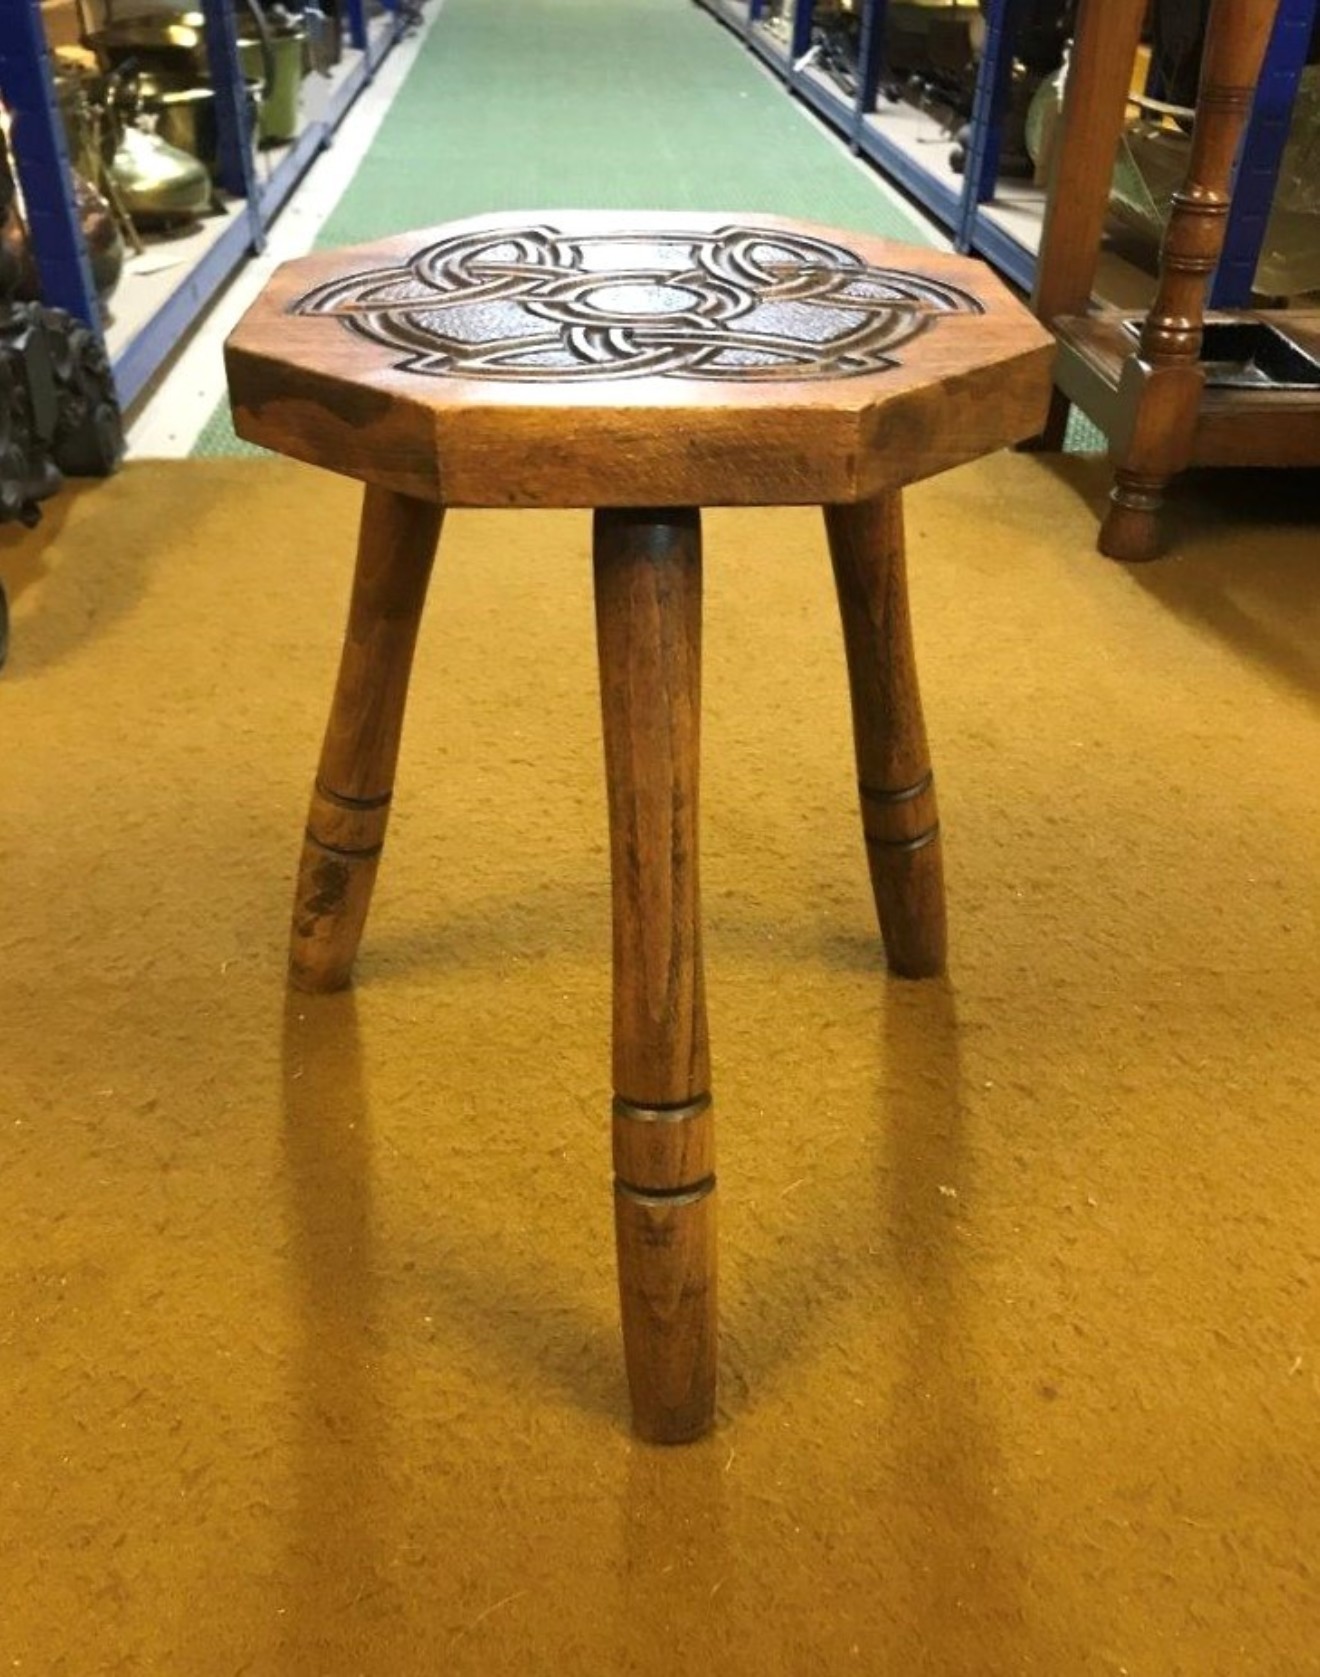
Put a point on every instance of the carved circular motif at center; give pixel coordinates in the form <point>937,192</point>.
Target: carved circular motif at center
<point>630,299</point>
<point>544,304</point>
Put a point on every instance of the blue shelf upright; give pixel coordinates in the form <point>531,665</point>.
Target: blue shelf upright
<point>871,55</point>
<point>994,88</point>
<point>233,113</point>
<point>990,102</point>
<point>373,48</point>
<point>41,162</point>
<point>356,13</point>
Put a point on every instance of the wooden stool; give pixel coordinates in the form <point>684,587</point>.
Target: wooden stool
<point>644,366</point>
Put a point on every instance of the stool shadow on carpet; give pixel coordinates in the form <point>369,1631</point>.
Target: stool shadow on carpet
<point>569,917</point>
<point>484,1295</point>
<point>869,1244</point>
<point>339,1414</point>
<point>891,1254</point>
<point>892,1249</point>
<point>938,1423</point>
<point>560,917</point>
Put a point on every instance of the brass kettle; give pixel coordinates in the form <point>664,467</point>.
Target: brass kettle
<point>158,185</point>
<point>115,143</point>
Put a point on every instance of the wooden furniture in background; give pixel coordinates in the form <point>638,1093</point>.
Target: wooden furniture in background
<point>1085,145</point>
<point>1152,384</point>
<point>644,366</point>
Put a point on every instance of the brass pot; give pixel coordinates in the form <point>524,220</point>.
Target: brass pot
<point>171,48</point>
<point>186,119</point>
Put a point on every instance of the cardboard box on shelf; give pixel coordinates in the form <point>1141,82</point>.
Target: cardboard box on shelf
<point>63,26</point>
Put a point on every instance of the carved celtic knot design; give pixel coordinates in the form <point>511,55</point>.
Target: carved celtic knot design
<point>537,304</point>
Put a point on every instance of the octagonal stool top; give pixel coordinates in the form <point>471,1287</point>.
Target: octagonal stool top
<point>600,359</point>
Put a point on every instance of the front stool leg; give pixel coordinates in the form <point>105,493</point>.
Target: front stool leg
<point>648,626</point>
<point>355,780</point>
<point>899,817</point>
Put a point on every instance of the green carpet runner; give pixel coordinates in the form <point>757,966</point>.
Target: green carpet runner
<point>592,104</point>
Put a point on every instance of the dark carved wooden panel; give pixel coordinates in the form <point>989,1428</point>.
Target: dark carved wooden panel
<point>741,303</point>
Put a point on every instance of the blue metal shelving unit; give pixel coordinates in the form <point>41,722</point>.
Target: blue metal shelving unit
<point>990,101</point>
<point>966,206</point>
<point>42,163</point>
<point>871,137</point>
<point>41,160</point>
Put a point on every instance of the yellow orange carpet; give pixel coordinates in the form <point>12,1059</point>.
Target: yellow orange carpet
<point>308,1342</point>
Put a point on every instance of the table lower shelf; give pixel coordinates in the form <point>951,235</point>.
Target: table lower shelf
<point>1235,427</point>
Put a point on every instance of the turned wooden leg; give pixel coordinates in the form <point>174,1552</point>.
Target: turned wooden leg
<point>351,798</point>
<point>899,818</point>
<point>648,624</point>
<point>1151,443</point>
<point>1155,419</point>
<point>1132,528</point>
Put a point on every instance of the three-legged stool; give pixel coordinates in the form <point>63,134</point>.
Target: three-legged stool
<point>644,366</point>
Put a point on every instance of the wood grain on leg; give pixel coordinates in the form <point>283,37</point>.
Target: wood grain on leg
<point>899,816</point>
<point>648,614</point>
<point>355,780</point>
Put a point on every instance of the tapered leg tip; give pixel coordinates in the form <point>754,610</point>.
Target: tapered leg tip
<point>678,1426</point>
<point>1132,534</point>
<point>318,981</point>
<point>918,966</point>
<point>909,898</point>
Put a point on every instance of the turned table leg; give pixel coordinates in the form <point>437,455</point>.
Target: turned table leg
<point>648,619</point>
<point>1132,528</point>
<point>351,798</point>
<point>899,817</point>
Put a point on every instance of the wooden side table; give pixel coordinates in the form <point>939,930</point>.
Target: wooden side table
<point>643,366</point>
<point>1177,387</point>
